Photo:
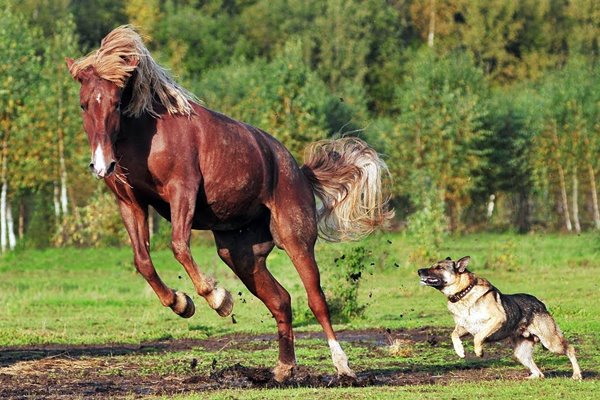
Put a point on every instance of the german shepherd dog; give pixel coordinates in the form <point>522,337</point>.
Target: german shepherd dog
<point>483,311</point>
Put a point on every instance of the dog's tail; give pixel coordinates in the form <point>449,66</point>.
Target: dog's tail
<point>347,177</point>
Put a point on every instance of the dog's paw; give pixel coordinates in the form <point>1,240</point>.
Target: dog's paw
<point>461,354</point>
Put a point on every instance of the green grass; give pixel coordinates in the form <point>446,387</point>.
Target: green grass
<point>94,296</point>
<point>546,389</point>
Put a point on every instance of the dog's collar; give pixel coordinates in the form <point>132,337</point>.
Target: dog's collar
<point>457,296</point>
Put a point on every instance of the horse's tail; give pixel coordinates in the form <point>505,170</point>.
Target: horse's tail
<point>347,175</point>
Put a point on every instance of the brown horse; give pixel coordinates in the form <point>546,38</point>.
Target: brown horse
<point>155,146</point>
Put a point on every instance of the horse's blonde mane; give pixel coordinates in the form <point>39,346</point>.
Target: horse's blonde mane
<point>121,52</point>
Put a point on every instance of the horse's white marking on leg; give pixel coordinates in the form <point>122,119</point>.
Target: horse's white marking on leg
<point>98,97</point>
<point>340,360</point>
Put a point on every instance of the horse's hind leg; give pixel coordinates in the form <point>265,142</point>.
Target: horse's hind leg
<point>182,213</point>
<point>245,252</point>
<point>296,232</point>
<point>135,218</point>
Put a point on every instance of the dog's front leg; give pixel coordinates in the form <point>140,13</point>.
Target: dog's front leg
<point>457,333</point>
<point>492,326</point>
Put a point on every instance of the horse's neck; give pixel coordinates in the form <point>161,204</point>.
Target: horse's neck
<point>127,94</point>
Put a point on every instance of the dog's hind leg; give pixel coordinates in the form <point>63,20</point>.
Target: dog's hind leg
<point>545,328</point>
<point>523,351</point>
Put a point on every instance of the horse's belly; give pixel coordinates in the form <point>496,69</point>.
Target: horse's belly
<point>227,215</point>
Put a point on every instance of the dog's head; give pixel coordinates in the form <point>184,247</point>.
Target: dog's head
<point>445,273</point>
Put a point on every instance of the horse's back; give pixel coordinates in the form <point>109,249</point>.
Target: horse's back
<point>242,170</point>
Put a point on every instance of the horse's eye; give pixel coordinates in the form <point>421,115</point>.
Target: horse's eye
<point>83,107</point>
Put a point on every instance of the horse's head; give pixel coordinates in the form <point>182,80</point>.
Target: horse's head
<point>100,102</point>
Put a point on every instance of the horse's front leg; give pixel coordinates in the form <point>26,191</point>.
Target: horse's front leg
<point>182,213</point>
<point>135,218</point>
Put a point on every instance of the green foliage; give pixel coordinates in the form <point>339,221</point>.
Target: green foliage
<point>282,97</point>
<point>504,102</point>
<point>440,110</point>
<point>98,224</point>
<point>43,221</point>
<point>428,226</point>
<point>94,18</point>
<point>343,300</point>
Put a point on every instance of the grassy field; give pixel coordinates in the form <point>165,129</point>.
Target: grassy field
<point>94,297</point>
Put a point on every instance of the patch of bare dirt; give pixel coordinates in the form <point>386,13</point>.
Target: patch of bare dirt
<point>57,371</point>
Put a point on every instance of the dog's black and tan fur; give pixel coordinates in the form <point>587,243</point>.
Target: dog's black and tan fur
<point>481,310</point>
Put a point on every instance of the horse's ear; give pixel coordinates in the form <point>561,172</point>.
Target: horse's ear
<point>79,75</point>
<point>133,62</point>
<point>70,62</point>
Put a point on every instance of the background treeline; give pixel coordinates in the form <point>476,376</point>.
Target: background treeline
<point>486,111</point>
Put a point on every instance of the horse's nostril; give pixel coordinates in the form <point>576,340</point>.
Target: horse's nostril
<point>91,166</point>
<point>111,168</point>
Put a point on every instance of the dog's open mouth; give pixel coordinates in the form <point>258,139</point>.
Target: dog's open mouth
<point>431,281</point>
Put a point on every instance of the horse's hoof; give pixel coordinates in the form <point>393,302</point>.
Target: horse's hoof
<point>183,306</point>
<point>223,301</point>
<point>283,372</point>
<point>340,360</point>
<point>346,373</point>
<point>536,376</point>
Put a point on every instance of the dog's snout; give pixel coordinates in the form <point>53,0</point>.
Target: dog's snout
<point>422,271</point>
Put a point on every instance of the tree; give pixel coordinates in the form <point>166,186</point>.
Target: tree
<point>507,152</point>
<point>569,133</point>
<point>441,105</point>
<point>18,77</point>
<point>282,97</point>
<point>95,18</point>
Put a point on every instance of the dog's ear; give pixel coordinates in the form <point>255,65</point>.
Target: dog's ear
<point>461,265</point>
<point>448,258</point>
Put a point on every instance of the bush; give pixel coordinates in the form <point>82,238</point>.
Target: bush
<point>343,292</point>
<point>97,224</point>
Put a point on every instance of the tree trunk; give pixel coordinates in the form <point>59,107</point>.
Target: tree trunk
<point>12,240</point>
<point>561,180</point>
<point>431,35</point>
<point>564,200</point>
<point>523,211</point>
<point>21,218</point>
<point>56,202</point>
<point>3,216</point>
<point>3,193</point>
<point>575,199</point>
<point>592,177</point>
<point>64,199</point>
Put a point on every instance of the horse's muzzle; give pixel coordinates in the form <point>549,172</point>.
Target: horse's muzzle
<point>101,171</point>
